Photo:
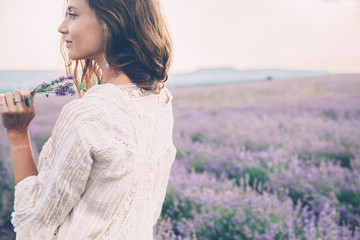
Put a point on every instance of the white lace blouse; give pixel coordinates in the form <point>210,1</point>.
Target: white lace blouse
<point>103,172</point>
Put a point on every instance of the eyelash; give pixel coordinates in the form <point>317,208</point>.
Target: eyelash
<point>72,15</point>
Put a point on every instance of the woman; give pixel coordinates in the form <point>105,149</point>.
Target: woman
<point>103,172</point>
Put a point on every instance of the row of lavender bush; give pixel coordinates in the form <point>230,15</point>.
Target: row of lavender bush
<point>269,160</point>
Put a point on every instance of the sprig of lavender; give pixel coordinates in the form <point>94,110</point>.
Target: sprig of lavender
<point>61,86</point>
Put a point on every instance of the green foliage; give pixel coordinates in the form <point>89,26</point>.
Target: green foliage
<point>82,86</point>
<point>344,158</point>
<point>197,137</point>
<point>351,200</point>
<point>222,226</point>
<point>349,197</point>
<point>331,114</point>
<point>225,224</point>
<point>254,147</point>
<point>298,196</point>
<point>304,156</point>
<point>178,206</point>
<point>200,163</point>
<point>256,176</point>
<point>40,141</point>
<point>247,145</point>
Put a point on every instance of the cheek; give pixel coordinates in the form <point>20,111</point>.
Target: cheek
<point>98,40</point>
<point>87,42</point>
<point>92,38</point>
<point>76,33</point>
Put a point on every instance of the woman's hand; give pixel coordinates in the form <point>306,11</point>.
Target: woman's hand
<point>16,118</point>
<point>15,115</point>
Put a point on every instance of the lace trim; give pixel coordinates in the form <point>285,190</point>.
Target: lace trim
<point>132,89</point>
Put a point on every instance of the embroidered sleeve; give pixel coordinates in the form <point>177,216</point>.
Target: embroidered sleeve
<point>42,202</point>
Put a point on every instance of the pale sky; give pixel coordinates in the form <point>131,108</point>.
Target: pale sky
<point>243,34</point>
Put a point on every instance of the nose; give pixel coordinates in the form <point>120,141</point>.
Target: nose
<point>63,29</point>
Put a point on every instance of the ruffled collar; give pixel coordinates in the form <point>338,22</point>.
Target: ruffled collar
<point>128,90</point>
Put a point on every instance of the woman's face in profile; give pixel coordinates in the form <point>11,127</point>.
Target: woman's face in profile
<point>82,31</point>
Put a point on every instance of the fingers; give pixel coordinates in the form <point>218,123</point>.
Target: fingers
<point>28,102</point>
<point>25,92</point>
<point>2,102</point>
<point>14,113</point>
<point>19,101</point>
<point>10,102</point>
<point>18,98</point>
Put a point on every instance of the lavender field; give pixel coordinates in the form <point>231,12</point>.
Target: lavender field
<point>264,160</point>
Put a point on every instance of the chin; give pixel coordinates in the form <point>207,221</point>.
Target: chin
<point>75,57</point>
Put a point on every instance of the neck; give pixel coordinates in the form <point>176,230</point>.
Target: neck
<point>109,74</point>
<point>118,78</point>
<point>112,75</point>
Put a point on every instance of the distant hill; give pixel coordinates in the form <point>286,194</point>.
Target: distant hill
<point>229,75</point>
<point>16,79</point>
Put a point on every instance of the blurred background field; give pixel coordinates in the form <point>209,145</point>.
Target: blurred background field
<point>266,107</point>
<point>276,159</point>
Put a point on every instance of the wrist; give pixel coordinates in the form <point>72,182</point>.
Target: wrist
<point>17,132</point>
<point>19,147</point>
<point>17,138</point>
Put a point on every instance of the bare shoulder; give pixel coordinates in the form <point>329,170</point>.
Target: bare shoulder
<point>167,94</point>
<point>166,98</point>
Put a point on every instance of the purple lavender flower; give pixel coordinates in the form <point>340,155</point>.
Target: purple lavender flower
<point>61,86</point>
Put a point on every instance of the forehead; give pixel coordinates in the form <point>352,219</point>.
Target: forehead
<point>77,5</point>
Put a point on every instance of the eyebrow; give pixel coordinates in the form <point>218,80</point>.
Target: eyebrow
<point>71,7</point>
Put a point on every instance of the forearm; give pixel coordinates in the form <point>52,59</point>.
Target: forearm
<point>22,155</point>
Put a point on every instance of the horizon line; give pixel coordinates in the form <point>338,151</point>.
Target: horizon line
<point>203,68</point>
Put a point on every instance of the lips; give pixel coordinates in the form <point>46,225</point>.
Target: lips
<point>68,43</point>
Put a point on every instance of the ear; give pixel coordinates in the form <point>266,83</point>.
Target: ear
<point>106,30</point>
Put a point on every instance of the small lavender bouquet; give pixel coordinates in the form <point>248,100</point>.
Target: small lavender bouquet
<point>61,86</point>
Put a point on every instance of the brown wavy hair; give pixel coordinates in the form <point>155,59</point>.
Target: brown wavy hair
<point>138,43</point>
